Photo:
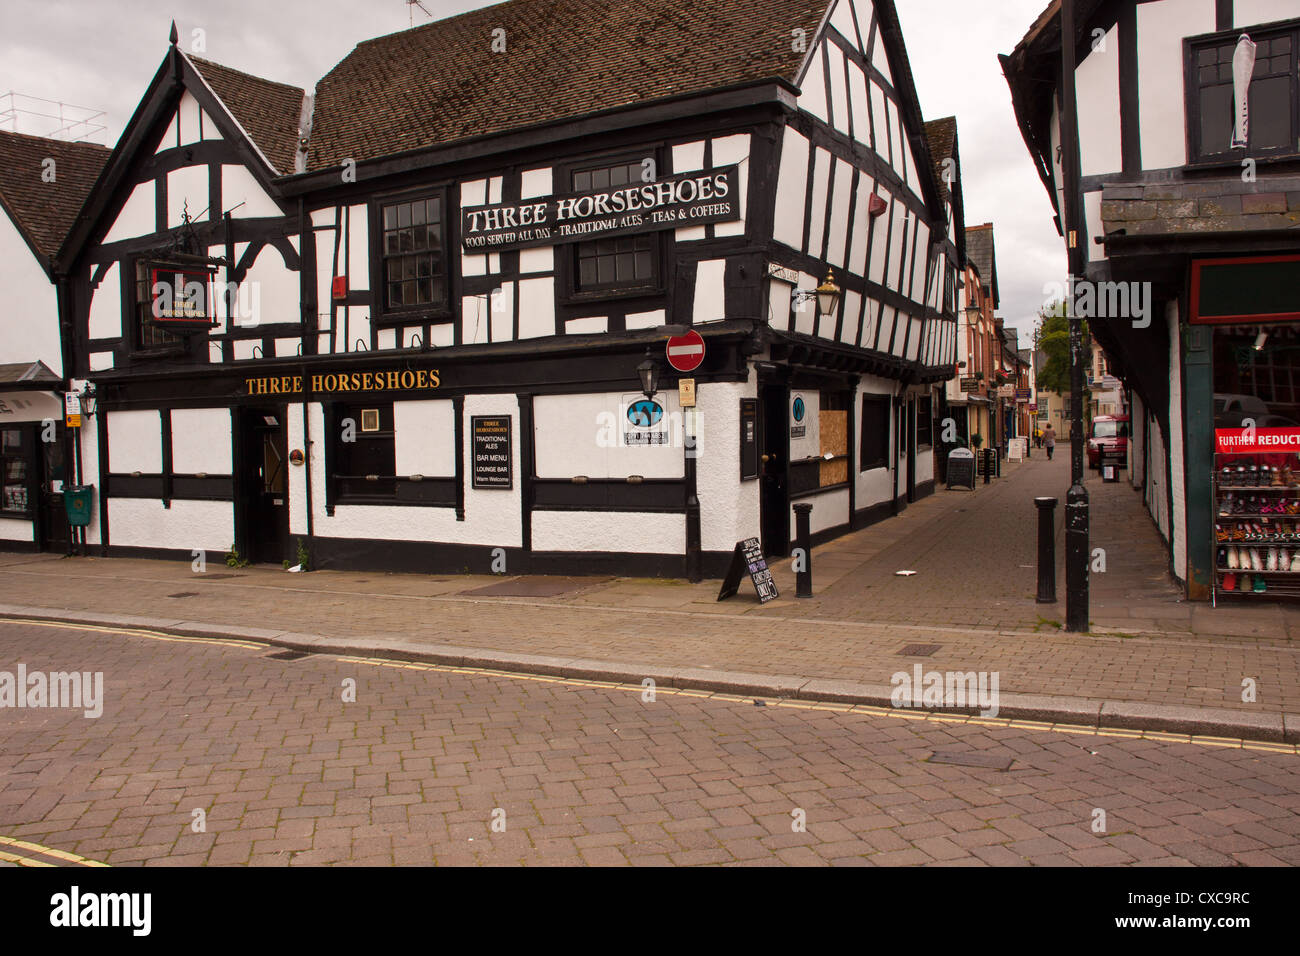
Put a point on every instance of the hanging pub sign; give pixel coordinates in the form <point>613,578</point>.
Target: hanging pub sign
<point>690,199</point>
<point>179,296</point>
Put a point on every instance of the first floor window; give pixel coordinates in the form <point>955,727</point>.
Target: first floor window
<point>1273,99</point>
<point>622,263</point>
<point>365,457</point>
<point>414,267</point>
<point>874,451</point>
<point>14,462</point>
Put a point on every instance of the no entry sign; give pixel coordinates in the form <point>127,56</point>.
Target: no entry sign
<point>686,352</point>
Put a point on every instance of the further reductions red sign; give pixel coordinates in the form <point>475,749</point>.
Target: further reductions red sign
<point>1256,441</point>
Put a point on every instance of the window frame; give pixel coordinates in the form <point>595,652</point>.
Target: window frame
<point>172,344</point>
<point>385,488</point>
<point>883,413</point>
<point>567,253</point>
<point>382,314</point>
<point>1192,98</point>
<point>26,454</point>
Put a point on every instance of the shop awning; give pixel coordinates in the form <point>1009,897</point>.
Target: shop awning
<point>28,406</point>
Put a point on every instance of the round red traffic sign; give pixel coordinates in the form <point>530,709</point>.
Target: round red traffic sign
<point>686,352</point>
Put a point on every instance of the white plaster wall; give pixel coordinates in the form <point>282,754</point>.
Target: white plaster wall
<point>645,320</point>
<point>16,529</point>
<point>297,474</point>
<point>492,518</point>
<point>830,509</point>
<point>880,248</point>
<point>358,248</point>
<point>726,151</point>
<point>135,442</point>
<point>105,307</point>
<point>1097,80</point>
<point>29,312</point>
<point>842,21</point>
<point>1157,480</point>
<point>839,223</point>
<point>791,192</point>
<point>201,441</point>
<point>626,532</point>
<point>1177,482</point>
<point>689,158</point>
<point>839,90</point>
<point>90,472</point>
<point>273,290</point>
<point>185,526</point>
<point>1093,223</point>
<point>536,307</point>
<point>238,185</point>
<point>588,325</point>
<point>804,316</point>
<point>861,228</point>
<point>852,318</point>
<point>729,507</point>
<point>425,438</point>
<point>502,310</point>
<point>858,99</point>
<point>137,217</point>
<point>189,119</point>
<point>1248,13</point>
<point>1161,27</point>
<point>710,296</point>
<point>812,95</point>
<point>580,435</point>
<point>778,307</point>
<point>821,187</point>
<point>187,188</point>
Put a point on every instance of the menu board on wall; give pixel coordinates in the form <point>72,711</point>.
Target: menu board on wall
<point>491,452</point>
<point>748,439</point>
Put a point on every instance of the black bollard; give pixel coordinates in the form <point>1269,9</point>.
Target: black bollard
<point>1046,550</point>
<point>803,579</point>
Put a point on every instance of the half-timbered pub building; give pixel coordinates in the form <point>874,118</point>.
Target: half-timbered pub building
<point>431,317</point>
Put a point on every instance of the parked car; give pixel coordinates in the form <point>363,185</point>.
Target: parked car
<point>1108,441</point>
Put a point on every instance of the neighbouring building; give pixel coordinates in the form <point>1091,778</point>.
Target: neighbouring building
<point>43,183</point>
<point>1189,142</point>
<point>424,318</point>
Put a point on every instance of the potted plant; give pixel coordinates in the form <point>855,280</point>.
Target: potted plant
<point>979,376</point>
<point>977,439</point>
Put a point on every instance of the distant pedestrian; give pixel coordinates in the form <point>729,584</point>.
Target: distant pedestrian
<point>1049,439</point>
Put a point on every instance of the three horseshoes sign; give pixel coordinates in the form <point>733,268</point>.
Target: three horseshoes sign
<point>686,352</point>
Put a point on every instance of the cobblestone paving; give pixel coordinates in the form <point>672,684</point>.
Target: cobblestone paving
<point>973,595</point>
<point>411,773</point>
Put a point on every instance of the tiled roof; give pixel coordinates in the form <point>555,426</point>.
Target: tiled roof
<point>15,373</point>
<point>979,252</point>
<point>45,211</point>
<point>942,135</point>
<point>441,82</point>
<point>269,112</point>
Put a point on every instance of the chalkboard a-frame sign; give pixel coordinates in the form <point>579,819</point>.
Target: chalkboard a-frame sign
<point>748,559</point>
<point>961,469</point>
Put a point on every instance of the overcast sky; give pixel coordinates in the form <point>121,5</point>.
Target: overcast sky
<point>102,54</point>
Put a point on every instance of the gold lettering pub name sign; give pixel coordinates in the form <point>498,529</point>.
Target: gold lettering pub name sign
<point>327,383</point>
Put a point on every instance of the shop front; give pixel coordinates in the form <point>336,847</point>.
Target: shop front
<point>32,444</point>
<point>1250,308</point>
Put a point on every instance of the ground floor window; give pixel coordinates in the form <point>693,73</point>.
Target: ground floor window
<point>15,458</point>
<point>874,450</point>
<point>364,459</point>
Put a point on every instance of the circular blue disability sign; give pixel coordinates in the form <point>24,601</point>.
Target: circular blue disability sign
<point>798,409</point>
<point>644,414</point>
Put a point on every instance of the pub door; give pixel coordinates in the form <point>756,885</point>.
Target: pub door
<point>774,469</point>
<point>261,485</point>
<point>53,517</point>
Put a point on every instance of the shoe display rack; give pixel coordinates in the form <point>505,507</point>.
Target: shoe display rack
<point>1256,525</point>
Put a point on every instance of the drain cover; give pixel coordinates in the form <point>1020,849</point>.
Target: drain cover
<point>919,650</point>
<point>984,761</point>
<point>288,655</point>
<point>213,577</point>
<point>184,594</point>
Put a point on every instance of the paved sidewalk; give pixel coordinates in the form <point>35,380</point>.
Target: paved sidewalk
<point>973,596</point>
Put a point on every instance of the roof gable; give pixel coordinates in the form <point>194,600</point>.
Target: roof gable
<point>45,211</point>
<point>442,82</point>
<point>268,112</point>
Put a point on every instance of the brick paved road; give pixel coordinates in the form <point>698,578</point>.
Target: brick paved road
<point>410,773</point>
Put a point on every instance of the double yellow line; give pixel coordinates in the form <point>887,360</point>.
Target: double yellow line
<point>23,847</point>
